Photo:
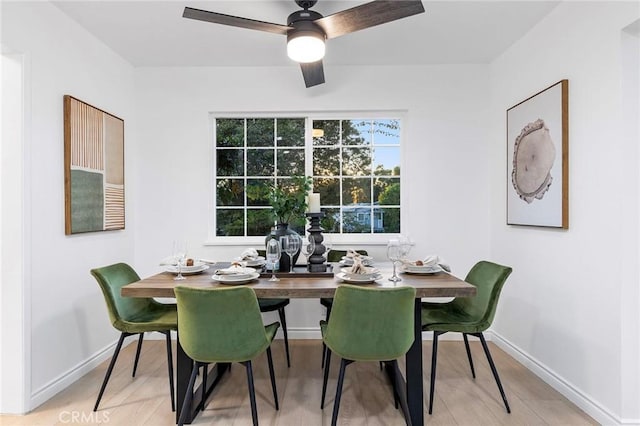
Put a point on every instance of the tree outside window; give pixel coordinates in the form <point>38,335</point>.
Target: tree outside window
<point>355,165</point>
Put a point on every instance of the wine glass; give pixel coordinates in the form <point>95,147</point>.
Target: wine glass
<point>284,243</point>
<point>179,255</point>
<point>293,244</point>
<point>405,246</point>
<point>273,256</point>
<point>308,247</point>
<point>394,253</point>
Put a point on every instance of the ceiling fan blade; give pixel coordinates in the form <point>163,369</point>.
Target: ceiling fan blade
<point>368,15</point>
<point>313,73</point>
<point>234,21</point>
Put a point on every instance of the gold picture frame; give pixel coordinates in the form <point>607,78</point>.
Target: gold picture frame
<point>538,159</point>
<point>93,168</point>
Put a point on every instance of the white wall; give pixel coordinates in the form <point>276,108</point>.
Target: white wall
<point>630,294</point>
<point>561,309</point>
<point>444,159</point>
<point>12,212</point>
<point>68,324</point>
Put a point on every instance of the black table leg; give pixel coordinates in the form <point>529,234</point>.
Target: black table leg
<point>184,364</point>
<point>414,369</point>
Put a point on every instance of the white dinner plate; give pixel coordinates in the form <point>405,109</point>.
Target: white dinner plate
<point>187,270</point>
<point>426,270</point>
<point>235,279</point>
<point>357,279</point>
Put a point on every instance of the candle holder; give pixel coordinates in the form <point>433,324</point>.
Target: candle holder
<point>317,259</point>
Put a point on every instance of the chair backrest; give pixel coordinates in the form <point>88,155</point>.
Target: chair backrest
<point>337,255</point>
<point>371,324</point>
<point>488,278</point>
<point>220,324</point>
<point>111,279</point>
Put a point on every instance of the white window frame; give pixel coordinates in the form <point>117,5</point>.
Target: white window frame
<point>337,239</point>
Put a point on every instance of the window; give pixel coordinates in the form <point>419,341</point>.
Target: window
<point>354,162</point>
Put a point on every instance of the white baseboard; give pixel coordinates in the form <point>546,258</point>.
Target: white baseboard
<point>308,333</point>
<point>584,402</point>
<point>67,378</point>
<point>302,333</point>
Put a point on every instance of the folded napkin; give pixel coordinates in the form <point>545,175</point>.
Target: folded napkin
<point>352,254</point>
<point>230,271</point>
<point>248,254</point>
<point>431,260</point>
<point>358,267</point>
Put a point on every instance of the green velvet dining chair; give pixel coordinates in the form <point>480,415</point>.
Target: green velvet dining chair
<point>334,256</point>
<point>270,305</point>
<point>223,325</point>
<point>470,316</point>
<point>368,324</point>
<point>133,315</point>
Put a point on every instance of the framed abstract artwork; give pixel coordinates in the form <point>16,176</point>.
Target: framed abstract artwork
<point>538,159</point>
<point>93,168</point>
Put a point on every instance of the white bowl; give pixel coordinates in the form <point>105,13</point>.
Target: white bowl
<point>197,265</point>
<point>369,273</point>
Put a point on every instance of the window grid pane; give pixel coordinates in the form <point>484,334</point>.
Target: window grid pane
<point>355,165</point>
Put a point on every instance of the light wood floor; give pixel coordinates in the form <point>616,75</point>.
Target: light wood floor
<point>366,398</point>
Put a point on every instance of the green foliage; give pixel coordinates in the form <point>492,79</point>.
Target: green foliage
<point>229,132</point>
<point>391,221</point>
<point>288,201</point>
<point>390,195</point>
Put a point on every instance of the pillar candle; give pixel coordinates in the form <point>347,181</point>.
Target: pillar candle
<point>314,202</point>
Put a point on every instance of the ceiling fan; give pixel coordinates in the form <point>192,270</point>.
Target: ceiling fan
<point>307,30</point>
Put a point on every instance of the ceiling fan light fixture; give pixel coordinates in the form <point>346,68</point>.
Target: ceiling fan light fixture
<point>307,30</point>
<point>305,46</point>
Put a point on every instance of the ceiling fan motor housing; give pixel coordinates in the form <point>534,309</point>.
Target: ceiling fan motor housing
<point>306,4</point>
<point>302,22</point>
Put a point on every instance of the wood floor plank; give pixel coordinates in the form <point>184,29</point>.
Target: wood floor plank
<point>366,399</point>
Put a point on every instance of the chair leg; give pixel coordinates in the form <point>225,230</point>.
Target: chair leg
<point>205,374</point>
<point>252,392</point>
<point>336,403</point>
<point>135,363</point>
<point>398,386</point>
<point>170,364</point>
<point>283,320</point>
<point>273,378</point>
<point>110,369</point>
<point>324,354</point>
<point>434,359</point>
<point>394,388</point>
<point>493,370</point>
<point>466,345</point>
<point>186,406</point>
<point>324,347</point>
<point>326,377</point>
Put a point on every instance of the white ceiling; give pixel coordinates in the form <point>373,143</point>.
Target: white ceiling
<point>153,33</point>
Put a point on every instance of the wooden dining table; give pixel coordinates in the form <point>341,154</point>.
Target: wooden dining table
<point>307,286</point>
